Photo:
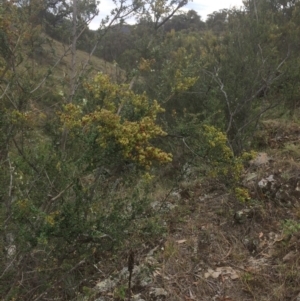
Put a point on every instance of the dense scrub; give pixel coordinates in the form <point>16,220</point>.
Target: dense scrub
<point>83,154</point>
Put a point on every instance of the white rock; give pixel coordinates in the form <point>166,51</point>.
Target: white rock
<point>105,285</point>
<point>158,292</point>
<point>263,183</point>
<point>137,298</point>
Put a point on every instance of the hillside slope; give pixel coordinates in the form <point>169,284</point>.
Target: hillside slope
<point>56,56</point>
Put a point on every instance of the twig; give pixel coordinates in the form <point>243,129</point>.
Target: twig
<point>24,157</point>
<point>59,195</point>
<point>129,88</point>
<point>189,148</point>
<point>180,4</point>
<point>117,16</point>
<point>11,169</point>
<point>8,266</point>
<point>45,207</point>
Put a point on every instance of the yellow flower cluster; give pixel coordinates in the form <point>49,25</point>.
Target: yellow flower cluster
<point>71,116</point>
<point>242,194</point>
<point>247,156</point>
<point>27,119</point>
<point>182,61</point>
<point>217,141</point>
<point>124,117</point>
<point>23,205</point>
<point>145,65</point>
<point>50,218</point>
<point>183,83</point>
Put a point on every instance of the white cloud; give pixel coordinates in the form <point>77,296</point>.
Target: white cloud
<point>202,7</point>
<point>206,7</point>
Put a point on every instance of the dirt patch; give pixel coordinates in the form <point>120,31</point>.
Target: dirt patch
<point>209,254</point>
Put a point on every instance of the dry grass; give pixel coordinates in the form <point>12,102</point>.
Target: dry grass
<point>55,50</point>
<point>206,237</point>
<point>51,60</point>
<point>280,134</point>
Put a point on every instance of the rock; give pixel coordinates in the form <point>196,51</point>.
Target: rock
<point>11,248</point>
<point>137,297</point>
<point>11,251</point>
<point>251,244</point>
<point>263,183</point>
<point>242,215</point>
<point>158,293</point>
<point>106,285</point>
<point>162,206</point>
<point>187,171</point>
<point>141,275</point>
<point>175,195</point>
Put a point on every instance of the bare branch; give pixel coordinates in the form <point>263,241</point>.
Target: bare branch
<point>116,17</point>
<point>9,265</point>
<point>183,140</point>
<point>241,105</point>
<point>57,62</point>
<point>181,4</point>
<point>24,157</point>
<point>60,194</point>
<point>11,169</point>
<point>130,88</point>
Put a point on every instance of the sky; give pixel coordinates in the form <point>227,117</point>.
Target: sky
<point>202,7</point>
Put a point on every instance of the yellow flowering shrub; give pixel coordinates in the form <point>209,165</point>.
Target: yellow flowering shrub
<point>23,206</point>
<point>220,156</point>
<point>50,218</point>
<point>242,194</point>
<point>122,117</point>
<point>222,162</point>
<point>182,62</point>
<point>145,65</point>
<point>28,119</point>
